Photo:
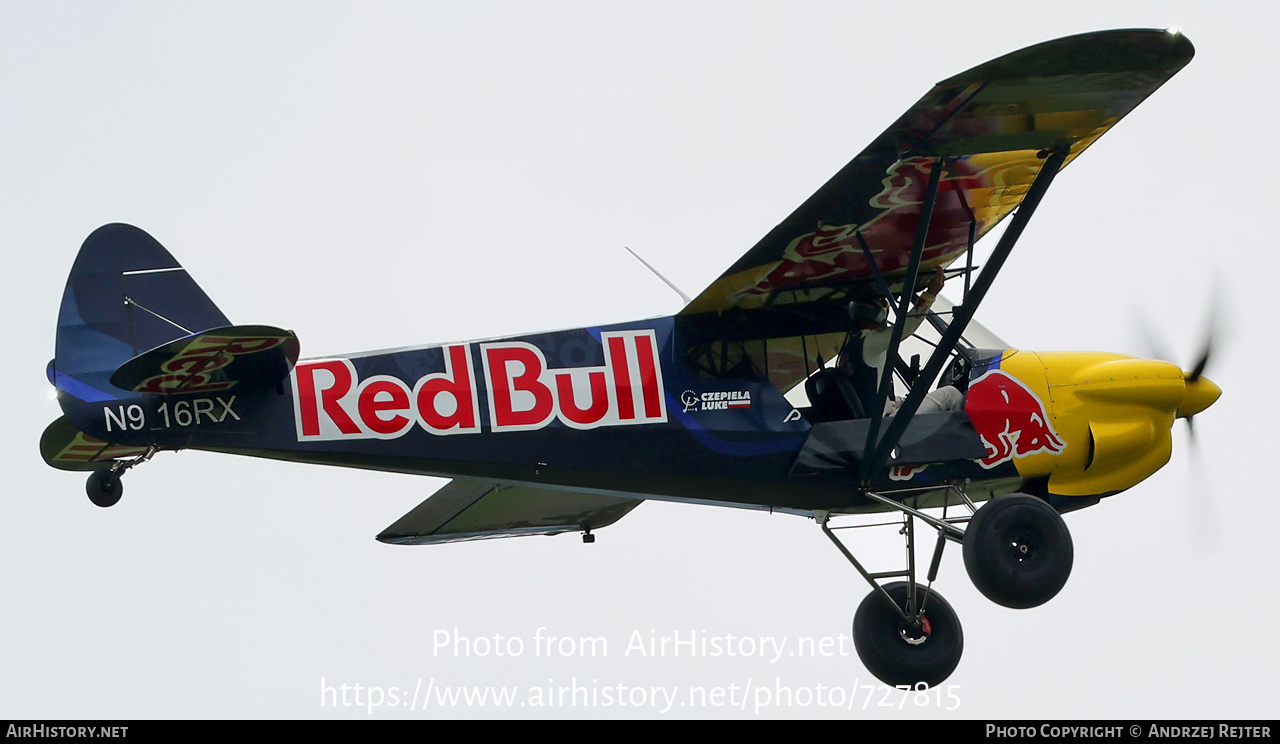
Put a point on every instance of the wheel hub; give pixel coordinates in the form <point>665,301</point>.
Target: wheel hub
<point>1022,549</point>
<point>916,635</point>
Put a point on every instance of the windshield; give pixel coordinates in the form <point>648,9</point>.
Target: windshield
<point>914,351</point>
<point>975,336</point>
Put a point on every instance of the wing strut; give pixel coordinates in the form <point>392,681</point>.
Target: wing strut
<point>875,266</point>
<point>963,313</point>
<point>904,308</point>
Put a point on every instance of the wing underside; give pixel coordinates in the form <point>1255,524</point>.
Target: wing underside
<point>992,124</point>
<point>474,509</point>
<point>781,310</point>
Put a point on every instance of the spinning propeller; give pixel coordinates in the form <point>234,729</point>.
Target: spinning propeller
<point>1201,392</point>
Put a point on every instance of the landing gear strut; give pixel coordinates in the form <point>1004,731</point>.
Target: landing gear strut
<point>904,652</point>
<point>906,633</point>
<point>1016,549</point>
<point>104,486</point>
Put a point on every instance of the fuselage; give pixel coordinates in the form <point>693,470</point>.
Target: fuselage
<point>620,410</point>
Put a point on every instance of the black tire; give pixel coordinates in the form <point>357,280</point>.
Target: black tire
<point>898,653</point>
<point>104,487</point>
<point>1018,551</point>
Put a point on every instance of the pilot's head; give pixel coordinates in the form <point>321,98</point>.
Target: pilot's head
<point>869,313</point>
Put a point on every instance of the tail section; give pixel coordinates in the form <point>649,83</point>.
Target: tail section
<point>126,295</point>
<point>247,358</point>
<point>144,361</point>
<point>65,447</point>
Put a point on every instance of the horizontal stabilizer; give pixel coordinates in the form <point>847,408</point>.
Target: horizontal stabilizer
<point>247,356</point>
<point>65,447</point>
<point>470,509</point>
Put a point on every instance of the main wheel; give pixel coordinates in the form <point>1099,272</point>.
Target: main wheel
<point>898,652</point>
<point>1017,551</point>
<point>104,487</point>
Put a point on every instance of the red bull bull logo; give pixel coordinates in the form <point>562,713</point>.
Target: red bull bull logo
<point>1011,419</point>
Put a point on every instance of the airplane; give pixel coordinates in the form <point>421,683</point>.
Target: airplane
<point>786,385</point>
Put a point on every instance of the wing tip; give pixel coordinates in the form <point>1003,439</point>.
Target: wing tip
<point>1114,50</point>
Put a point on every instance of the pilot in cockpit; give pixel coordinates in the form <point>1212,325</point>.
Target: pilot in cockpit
<point>863,357</point>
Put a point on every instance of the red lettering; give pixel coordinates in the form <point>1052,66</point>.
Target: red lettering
<point>523,392</point>
<point>648,377</point>
<point>622,377</point>
<point>194,364</point>
<point>395,397</point>
<point>309,407</point>
<point>201,355</point>
<point>503,387</point>
<point>569,407</point>
<point>169,384</point>
<point>454,382</point>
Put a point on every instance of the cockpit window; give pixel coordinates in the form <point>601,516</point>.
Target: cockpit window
<point>975,336</point>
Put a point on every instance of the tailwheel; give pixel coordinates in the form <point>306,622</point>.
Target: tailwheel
<point>907,650</point>
<point>1018,551</point>
<point>104,487</point>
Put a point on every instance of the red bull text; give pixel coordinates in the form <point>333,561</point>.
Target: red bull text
<point>523,393</point>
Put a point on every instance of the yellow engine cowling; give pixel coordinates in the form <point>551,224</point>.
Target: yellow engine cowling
<point>1114,413</point>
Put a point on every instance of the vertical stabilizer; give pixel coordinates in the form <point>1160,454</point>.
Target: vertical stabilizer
<point>126,295</point>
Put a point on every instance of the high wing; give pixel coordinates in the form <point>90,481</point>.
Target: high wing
<point>974,149</point>
<point>992,124</point>
<point>475,509</point>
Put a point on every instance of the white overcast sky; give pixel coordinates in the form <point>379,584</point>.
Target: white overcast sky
<point>395,173</point>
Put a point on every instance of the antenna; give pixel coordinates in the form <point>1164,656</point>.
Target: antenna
<point>687,299</point>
